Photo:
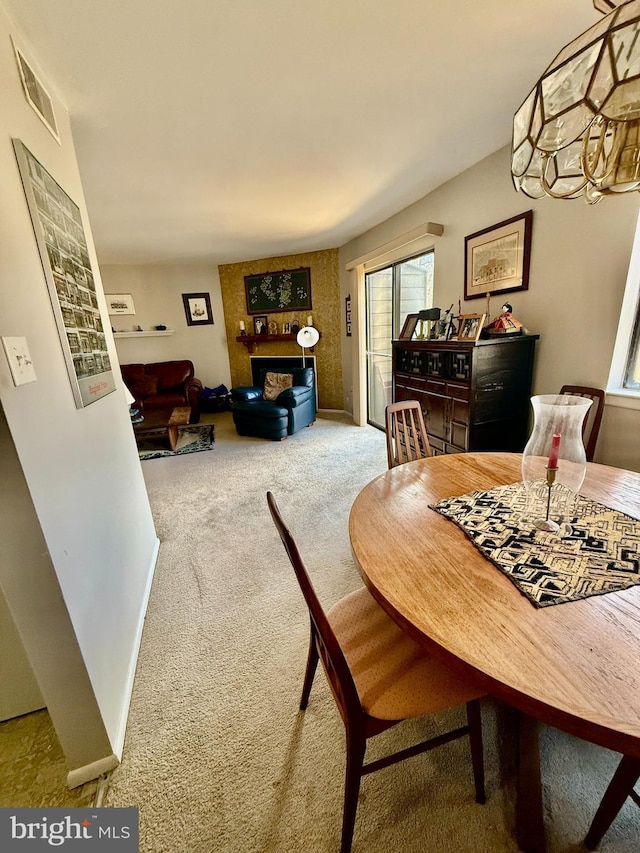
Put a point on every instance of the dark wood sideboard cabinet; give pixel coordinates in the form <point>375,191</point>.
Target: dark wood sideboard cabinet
<point>475,396</point>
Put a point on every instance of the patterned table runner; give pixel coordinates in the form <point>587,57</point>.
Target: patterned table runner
<point>602,553</point>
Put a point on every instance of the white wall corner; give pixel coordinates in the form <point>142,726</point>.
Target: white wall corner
<point>118,742</point>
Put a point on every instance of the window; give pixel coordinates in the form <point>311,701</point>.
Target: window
<point>392,292</point>
<point>623,387</point>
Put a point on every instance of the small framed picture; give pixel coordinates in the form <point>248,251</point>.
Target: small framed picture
<point>120,303</point>
<point>273,327</point>
<point>260,324</point>
<point>197,307</point>
<point>409,327</point>
<point>470,326</point>
<point>286,328</point>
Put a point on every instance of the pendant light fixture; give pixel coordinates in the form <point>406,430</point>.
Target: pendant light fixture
<point>578,131</point>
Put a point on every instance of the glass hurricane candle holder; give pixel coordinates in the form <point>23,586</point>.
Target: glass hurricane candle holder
<point>554,461</point>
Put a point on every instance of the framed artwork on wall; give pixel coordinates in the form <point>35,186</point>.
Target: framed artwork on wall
<point>62,244</point>
<point>347,309</point>
<point>197,307</point>
<point>37,96</point>
<point>496,259</point>
<point>273,292</point>
<point>120,303</point>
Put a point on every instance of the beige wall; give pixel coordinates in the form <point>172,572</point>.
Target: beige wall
<point>326,312</point>
<point>84,560</point>
<point>579,261</point>
<point>157,296</point>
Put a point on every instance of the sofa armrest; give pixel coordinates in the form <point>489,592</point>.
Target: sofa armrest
<point>292,397</point>
<point>246,393</point>
<point>192,391</point>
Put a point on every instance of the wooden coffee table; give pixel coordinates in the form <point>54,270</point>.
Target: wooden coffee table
<point>163,422</point>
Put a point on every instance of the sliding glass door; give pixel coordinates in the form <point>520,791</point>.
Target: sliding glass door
<point>392,292</point>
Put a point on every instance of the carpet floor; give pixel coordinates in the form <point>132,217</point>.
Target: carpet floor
<point>218,757</point>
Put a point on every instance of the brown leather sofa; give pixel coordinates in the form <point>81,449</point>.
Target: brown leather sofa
<point>164,385</point>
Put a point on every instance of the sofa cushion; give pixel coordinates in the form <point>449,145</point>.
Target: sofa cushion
<point>275,383</point>
<point>131,372</point>
<point>259,409</point>
<point>143,386</point>
<point>171,374</point>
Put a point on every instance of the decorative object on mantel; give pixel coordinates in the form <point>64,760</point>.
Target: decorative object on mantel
<point>260,325</point>
<point>197,307</point>
<point>578,131</point>
<point>161,328</point>
<point>496,259</point>
<point>273,327</point>
<point>243,330</point>
<point>275,292</point>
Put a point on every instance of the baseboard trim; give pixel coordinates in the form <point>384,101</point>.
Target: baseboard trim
<point>92,771</point>
<point>118,743</point>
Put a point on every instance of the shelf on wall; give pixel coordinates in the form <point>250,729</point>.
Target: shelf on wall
<point>155,334</point>
<point>250,341</point>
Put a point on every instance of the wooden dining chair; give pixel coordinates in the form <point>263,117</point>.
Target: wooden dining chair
<point>591,425</point>
<point>406,433</point>
<point>378,677</point>
<point>620,788</point>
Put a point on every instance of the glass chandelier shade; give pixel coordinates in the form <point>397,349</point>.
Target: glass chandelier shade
<point>578,131</point>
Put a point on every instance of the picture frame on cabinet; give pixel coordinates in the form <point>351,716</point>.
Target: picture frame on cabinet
<point>470,326</point>
<point>409,327</point>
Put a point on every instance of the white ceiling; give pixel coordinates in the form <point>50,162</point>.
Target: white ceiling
<point>225,130</point>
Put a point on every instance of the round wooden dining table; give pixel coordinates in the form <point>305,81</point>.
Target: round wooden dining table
<point>575,665</point>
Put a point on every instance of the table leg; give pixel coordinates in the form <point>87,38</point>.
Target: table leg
<point>172,432</point>
<point>530,832</point>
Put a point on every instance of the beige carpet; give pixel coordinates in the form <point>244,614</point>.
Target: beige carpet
<point>217,756</point>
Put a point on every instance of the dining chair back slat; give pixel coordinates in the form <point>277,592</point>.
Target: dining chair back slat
<point>591,424</point>
<point>406,433</point>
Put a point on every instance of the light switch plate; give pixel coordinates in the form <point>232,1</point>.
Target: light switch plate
<point>20,362</point>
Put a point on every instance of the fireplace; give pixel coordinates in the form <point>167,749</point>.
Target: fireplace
<point>280,362</point>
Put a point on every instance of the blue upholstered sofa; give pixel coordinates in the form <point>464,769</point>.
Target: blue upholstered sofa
<point>293,408</point>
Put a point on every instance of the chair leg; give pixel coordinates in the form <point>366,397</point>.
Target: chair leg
<point>619,789</point>
<point>312,663</point>
<point>475,742</point>
<point>356,746</point>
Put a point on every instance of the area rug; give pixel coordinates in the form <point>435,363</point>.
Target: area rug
<point>191,439</point>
